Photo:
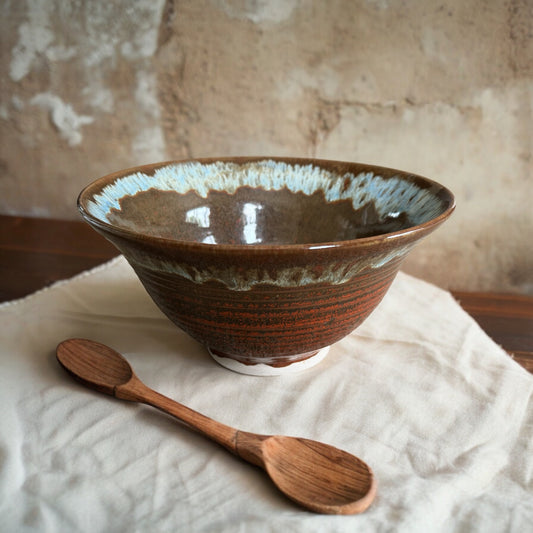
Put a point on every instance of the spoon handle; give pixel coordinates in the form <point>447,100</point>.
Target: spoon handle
<point>240,443</point>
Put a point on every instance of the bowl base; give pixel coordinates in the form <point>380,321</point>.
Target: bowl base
<point>262,369</point>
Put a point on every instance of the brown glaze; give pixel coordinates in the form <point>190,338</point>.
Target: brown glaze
<point>274,217</point>
<point>267,323</point>
<point>314,272</point>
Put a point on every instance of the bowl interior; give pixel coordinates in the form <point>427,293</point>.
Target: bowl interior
<point>263,202</point>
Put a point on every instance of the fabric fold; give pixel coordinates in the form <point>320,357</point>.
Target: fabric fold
<point>440,412</point>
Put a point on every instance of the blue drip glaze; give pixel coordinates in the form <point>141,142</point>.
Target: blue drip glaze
<point>389,195</point>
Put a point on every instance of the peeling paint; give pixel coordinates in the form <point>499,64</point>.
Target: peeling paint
<point>146,94</point>
<point>259,11</point>
<point>143,45</point>
<point>435,44</point>
<point>63,117</point>
<point>379,4</point>
<point>148,144</point>
<point>323,79</point>
<point>17,103</point>
<point>129,31</point>
<point>35,36</point>
<point>149,141</point>
<point>98,96</point>
<point>60,53</point>
<point>4,112</point>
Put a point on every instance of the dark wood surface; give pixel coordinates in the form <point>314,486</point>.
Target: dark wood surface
<point>36,252</point>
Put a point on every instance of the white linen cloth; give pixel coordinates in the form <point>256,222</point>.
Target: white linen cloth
<point>441,413</point>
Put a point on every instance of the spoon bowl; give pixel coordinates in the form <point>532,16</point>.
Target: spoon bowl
<point>350,474</point>
<point>315,475</point>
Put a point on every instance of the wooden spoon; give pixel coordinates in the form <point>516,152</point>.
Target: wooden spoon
<point>317,476</point>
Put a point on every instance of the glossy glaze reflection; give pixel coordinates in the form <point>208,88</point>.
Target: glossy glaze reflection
<point>252,216</point>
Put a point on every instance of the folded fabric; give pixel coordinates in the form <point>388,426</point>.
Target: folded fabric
<point>440,412</point>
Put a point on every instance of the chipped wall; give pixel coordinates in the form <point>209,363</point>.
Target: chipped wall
<point>441,88</point>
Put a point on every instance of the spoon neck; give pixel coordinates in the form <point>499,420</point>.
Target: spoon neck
<point>249,446</point>
<point>136,391</point>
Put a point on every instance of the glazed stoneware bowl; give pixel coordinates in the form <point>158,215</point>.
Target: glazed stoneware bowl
<point>266,261</point>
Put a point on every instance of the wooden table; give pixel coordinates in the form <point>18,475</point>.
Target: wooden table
<point>36,252</point>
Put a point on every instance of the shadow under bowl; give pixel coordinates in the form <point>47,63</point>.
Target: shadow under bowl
<point>266,261</point>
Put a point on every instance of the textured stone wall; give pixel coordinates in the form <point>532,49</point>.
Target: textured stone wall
<point>441,88</point>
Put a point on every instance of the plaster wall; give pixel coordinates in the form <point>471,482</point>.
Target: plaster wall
<point>440,88</point>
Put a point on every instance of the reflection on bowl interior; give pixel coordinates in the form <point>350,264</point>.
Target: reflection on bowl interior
<point>252,216</point>
<point>262,202</point>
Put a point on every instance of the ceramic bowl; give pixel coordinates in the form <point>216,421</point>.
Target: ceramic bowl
<point>266,261</point>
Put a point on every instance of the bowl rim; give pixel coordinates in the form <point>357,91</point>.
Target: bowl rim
<point>446,196</point>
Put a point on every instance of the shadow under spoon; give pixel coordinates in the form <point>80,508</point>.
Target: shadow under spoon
<point>317,476</point>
